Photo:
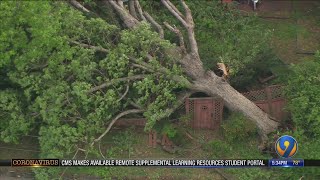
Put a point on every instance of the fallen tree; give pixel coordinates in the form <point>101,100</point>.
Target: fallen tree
<point>70,78</point>
<point>200,79</point>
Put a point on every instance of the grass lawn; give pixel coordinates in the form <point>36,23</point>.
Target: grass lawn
<point>132,144</point>
<point>298,33</point>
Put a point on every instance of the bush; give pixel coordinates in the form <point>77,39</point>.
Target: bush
<point>303,96</point>
<point>169,130</point>
<point>238,128</point>
<point>180,138</point>
<point>123,143</point>
<point>219,149</point>
<point>265,62</point>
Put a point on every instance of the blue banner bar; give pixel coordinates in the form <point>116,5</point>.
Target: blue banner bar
<point>286,163</point>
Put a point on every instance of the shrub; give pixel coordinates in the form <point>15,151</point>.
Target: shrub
<point>169,130</point>
<point>237,127</point>
<point>303,96</point>
<point>123,143</point>
<point>180,139</point>
<point>219,149</point>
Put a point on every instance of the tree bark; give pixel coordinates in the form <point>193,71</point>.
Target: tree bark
<point>235,101</point>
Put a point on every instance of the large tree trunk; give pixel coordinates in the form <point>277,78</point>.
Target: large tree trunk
<point>214,85</point>
<point>203,81</point>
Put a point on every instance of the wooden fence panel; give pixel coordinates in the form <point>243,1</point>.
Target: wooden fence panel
<point>206,113</point>
<point>278,109</point>
<point>270,100</point>
<point>153,139</point>
<point>263,106</point>
<point>131,122</point>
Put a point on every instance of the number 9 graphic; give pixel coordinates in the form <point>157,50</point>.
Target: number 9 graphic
<point>286,146</point>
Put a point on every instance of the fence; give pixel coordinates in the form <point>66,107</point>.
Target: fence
<point>206,113</point>
<point>270,100</point>
<point>131,122</point>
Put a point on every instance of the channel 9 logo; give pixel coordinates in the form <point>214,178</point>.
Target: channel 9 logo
<point>286,146</point>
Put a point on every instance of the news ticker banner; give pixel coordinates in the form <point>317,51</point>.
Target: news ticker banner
<point>205,163</point>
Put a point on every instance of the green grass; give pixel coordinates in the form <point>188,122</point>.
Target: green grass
<point>284,29</point>
<point>117,142</point>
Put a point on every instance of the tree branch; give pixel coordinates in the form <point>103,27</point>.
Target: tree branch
<point>190,30</point>
<point>179,101</point>
<point>155,24</point>
<point>100,150</point>
<point>175,9</point>
<point>124,94</point>
<point>79,6</point>
<point>141,67</point>
<point>163,70</point>
<point>132,9</point>
<point>140,10</point>
<point>120,2</point>
<point>127,19</point>
<point>104,85</point>
<point>96,48</point>
<point>179,34</point>
<point>175,12</point>
<point>187,23</point>
<point>135,104</point>
<point>114,120</point>
<point>188,16</point>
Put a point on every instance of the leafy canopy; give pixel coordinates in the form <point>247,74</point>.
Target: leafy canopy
<point>50,75</point>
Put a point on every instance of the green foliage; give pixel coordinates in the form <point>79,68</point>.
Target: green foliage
<point>221,148</point>
<point>46,173</point>
<point>44,59</point>
<point>239,150</point>
<point>55,141</point>
<point>123,143</point>
<point>241,143</point>
<point>303,96</point>
<point>238,128</point>
<point>184,119</point>
<point>14,122</point>
<point>307,149</point>
<point>247,149</point>
<point>180,138</point>
<point>226,36</point>
<point>265,62</point>
<point>174,131</point>
<point>169,130</point>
